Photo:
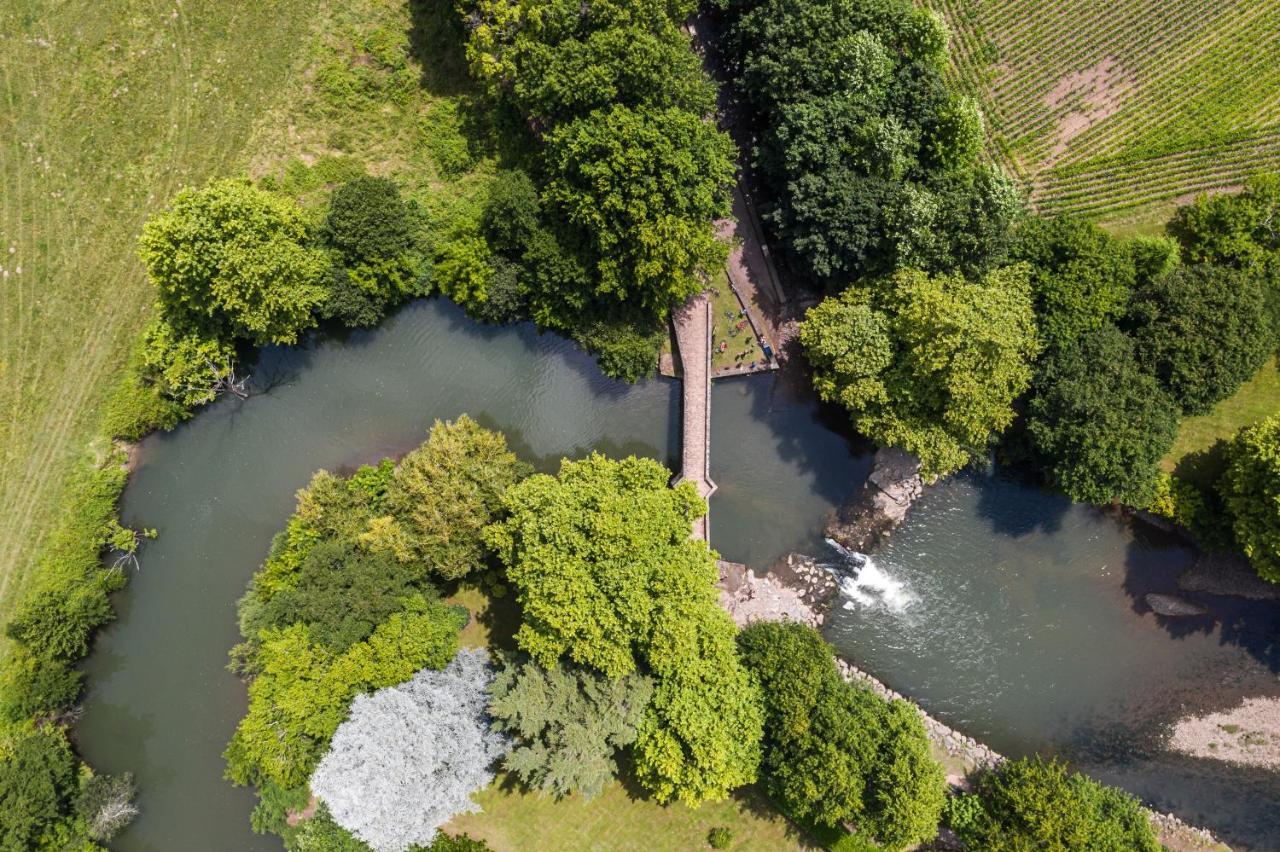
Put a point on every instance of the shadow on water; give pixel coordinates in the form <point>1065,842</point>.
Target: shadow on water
<point>1037,510</point>
<point>1253,626</point>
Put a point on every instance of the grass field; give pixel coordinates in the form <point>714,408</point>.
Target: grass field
<point>1116,110</point>
<point>107,109</point>
<point>1195,454</point>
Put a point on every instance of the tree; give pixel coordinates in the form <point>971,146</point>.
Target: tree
<point>370,229</point>
<point>442,495</point>
<point>1081,276</point>
<point>37,781</point>
<point>567,723</point>
<point>835,752</point>
<point>1099,421</point>
<point>341,593</point>
<point>409,757</point>
<point>606,575</point>
<point>105,804</point>
<point>1240,230</point>
<point>301,691</point>
<point>643,188</point>
<point>930,364</point>
<point>189,368</point>
<point>234,260</point>
<point>1033,803</point>
<point>1203,331</point>
<point>1250,487</point>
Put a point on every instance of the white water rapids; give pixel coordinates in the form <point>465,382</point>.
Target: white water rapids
<point>864,583</point>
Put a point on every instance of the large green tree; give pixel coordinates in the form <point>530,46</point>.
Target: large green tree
<point>1099,422</point>
<point>643,187</point>
<point>607,575</point>
<point>1250,487</point>
<point>234,260</point>
<point>931,364</point>
<point>1203,331</point>
<point>835,752</point>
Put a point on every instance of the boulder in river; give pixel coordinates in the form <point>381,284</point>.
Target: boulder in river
<point>1172,606</point>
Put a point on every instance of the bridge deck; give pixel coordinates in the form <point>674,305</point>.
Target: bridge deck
<point>693,324</point>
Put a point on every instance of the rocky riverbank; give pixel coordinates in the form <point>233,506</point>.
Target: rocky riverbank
<point>799,588</point>
<point>886,497</point>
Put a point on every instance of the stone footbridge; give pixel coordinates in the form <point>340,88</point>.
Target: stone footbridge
<point>693,323</point>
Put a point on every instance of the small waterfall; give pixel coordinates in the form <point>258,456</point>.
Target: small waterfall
<point>865,583</point>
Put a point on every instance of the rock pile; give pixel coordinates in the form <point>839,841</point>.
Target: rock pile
<point>887,495</point>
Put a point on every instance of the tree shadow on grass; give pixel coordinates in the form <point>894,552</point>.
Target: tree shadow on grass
<point>1202,468</point>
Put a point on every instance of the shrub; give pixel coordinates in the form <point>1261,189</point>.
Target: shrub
<point>1034,804</point>
<point>409,758</point>
<point>37,783</point>
<point>1203,331</point>
<point>1250,487</point>
<point>720,837</point>
<point>567,723</point>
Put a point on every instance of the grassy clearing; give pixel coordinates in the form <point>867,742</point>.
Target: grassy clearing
<point>731,327</point>
<point>1196,455</point>
<point>1109,108</point>
<point>106,110</point>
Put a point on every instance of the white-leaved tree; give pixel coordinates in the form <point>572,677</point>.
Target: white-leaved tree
<point>409,757</point>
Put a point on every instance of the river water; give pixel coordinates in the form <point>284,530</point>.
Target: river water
<point>1017,619</point>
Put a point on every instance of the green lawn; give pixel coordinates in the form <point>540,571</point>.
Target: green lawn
<point>106,109</point>
<point>1194,455</point>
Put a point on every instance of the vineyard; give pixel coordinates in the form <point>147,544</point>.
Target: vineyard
<point>1113,109</point>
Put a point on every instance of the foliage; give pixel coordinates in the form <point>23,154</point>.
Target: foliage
<point>341,593</point>
<point>720,837</point>
<point>37,782</point>
<point>930,364</point>
<point>302,690</point>
<point>1237,230</point>
<point>606,574</point>
<point>1250,487</point>
<point>1203,331</point>
<point>409,757</point>
<point>1099,422</point>
<point>872,160</point>
<point>568,724</point>
<point>442,495</point>
<point>371,229</point>
<point>1033,803</point>
<point>186,368</point>
<point>1081,276</point>
<point>643,187</point>
<point>1179,501</point>
<point>834,752</point>
<point>233,260</point>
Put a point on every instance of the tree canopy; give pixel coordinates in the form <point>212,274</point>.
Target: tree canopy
<point>1203,331</point>
<point>1099,422</point>
<point>234,260</point>
<point>607,576</point>
<point>835,752</point>
<point>931,364</point>
<point>1250,487</point>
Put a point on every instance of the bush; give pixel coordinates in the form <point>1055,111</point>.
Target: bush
<point>1202,331</point>
<point>720,837</point>
<point>1034,804</point>
<point>37,783</point>
<point>834,752</point>
<point>1250,487</point>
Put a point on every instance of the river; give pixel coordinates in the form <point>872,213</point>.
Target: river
<point>1019,621</point>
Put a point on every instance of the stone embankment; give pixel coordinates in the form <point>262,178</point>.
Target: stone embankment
<point>894,484</point>
<point>799,588</point>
